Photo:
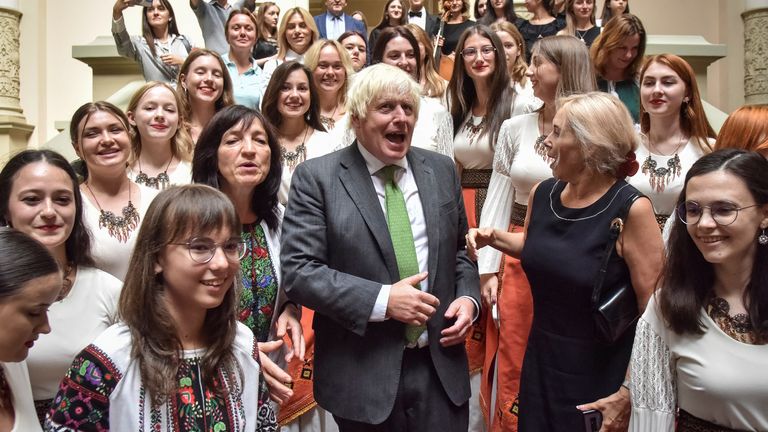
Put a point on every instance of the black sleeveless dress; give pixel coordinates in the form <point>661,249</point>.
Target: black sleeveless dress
<point>565,364</point>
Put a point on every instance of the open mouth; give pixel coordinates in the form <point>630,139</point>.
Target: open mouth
<point>712,239</point>
<point>109,152</point>
<point>208,91</point>
<point>396,137</point>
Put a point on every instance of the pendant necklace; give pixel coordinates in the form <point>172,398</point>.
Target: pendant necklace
<point>473,129</point>
<point>329,122</point>
<point>119,227</point>
<point>161,181</point>
<point>293,158</point>
<point>582,34</point>
<point>539,146</point>
<point>659,177</point>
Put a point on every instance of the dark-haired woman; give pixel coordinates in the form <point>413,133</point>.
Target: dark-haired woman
<point>480,9</point>
<point>29,284</point>
<point>393,16</point>
<point>178,358</point>
<point>267,17</point>
<point>356,47</point>
<point>700,357</point>
<point>613,8</point>
<point>160,50</point>
<point>238,153</point>
<point>580,21</point>
<point>498,11</point>
<point>543,23</point>
<point>39,196</point>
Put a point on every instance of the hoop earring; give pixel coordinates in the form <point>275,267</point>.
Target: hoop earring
<point>762,239</point>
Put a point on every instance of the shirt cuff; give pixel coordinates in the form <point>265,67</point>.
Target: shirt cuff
<point>379,312</point>
<point>118,25</point>
<point>477,308</point>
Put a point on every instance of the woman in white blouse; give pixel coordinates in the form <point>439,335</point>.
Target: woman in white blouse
<point>162,148</point>
<point>29,284</point>
<point>700,358</point>
<point>331,68</point>
<point>39,196</point>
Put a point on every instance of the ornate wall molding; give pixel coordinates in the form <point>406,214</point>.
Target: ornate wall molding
<point>755,56</point>
<point>9,59</point>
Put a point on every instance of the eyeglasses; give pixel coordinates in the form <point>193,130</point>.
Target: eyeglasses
<point>723,213</point>
<point>471,53</point>
<point>202,249</point>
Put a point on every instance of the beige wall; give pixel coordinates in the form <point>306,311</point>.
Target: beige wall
<point>53,84</point>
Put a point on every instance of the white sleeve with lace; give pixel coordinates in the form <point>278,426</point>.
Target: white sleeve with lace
<point>653,382</point>
<point>444,139</point>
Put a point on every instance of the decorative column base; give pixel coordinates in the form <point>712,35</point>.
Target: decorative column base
<point>14,135</point>
<point>755,55</point>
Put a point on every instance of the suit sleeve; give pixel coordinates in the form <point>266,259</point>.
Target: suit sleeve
<point>309,280</point>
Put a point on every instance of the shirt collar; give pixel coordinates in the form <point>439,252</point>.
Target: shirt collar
<point>374,165</point>
<point>231,64</point>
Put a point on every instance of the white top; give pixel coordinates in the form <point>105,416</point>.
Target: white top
<point>433,129</point>
<point>89,309</point>
<point>23,408</point>
<point>181,174</point>
<point>127,405</point>
<point>112,255</point>
<point>664,201</point>
<point>516,169</point>
<point>319,144</point>
<point>711,376</point>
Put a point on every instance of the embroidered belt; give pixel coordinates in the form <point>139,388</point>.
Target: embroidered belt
<point>518,214</point>
<point>686,422</point>
<point>661,220</point>
<point>477,179</point>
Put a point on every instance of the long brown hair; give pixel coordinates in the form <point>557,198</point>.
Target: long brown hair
<point>262,28</point>
<point>693,119</point>
<point>271,97</point>
<point>146,29</point>
<point>517,69</point>
<point>227,97</point>
<point>176,214</point>
<point>613,35</point>
<point>434,84</point>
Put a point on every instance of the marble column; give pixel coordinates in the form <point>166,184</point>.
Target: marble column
<point>755,19</point>
<point>14,129</point>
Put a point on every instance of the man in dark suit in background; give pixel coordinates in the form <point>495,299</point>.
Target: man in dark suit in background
<point>373,241</point>
<point>417,14</point>
<point>334,22</point>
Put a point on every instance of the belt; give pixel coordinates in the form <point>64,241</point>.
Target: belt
<point>661,220</point>
<point>476,178</point>
<point>518,214</point>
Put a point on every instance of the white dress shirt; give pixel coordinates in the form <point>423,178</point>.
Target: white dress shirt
<point>420,21</point>
<point>334,27</point>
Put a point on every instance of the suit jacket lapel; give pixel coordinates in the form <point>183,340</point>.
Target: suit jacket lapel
<point>356,180</point>
<point>425,181</point>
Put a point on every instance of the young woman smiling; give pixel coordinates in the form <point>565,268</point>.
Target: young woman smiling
<point>243,70</point>
<point>392,16</point>
<point>162,150</point>
<point>580,20</point>
<point>331,68</point>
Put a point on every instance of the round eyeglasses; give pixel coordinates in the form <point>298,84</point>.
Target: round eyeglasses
<point>471,53</point>
<point>202,249</point>
<point>723,213</point>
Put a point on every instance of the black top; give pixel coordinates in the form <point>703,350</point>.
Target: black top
<point>452,33</point>
<point>588,36</point>
<point>264,48</point>
<point>533,32</point>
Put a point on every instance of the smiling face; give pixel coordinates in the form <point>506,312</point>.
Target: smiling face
<point>241,32</point>
<point>355,46</point>
<point>498,7</point>
<point>294,95</point>
<point>582,9</point>
<point>104,142</point>
<point>662,90</point>
<point>158,16</point>
<point>297,33</point>
<point>204,80</point>
<point>156,115</point>
<point>563,149</point>
<point>244,157</point>
<point>191,286</point>
<point>623,55</point>
<point>329,75</point>
<point>399,52</point>
<point>395,10</point>
<point>42,204</point>
<point>25,316</point>
<point>387,128</point>
<point>544,76</point>
<point>726,247</point>
<point>482,64</point>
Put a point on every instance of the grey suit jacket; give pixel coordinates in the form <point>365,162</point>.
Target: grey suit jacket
<point>336,254</point>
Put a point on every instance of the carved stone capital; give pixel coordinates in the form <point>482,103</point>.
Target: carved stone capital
<point>755,56</point>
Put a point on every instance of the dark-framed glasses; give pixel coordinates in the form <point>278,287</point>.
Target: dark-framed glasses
<point>723,213</point>
<point>202,249</point>
<point>471,53</point>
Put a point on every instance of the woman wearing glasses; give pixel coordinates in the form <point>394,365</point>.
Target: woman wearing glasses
<point>178,357</point>
<point>238,153</point>
<point>701,345</point>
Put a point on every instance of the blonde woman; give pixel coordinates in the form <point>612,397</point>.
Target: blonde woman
<point>331,68</point>
<point>514,47</point>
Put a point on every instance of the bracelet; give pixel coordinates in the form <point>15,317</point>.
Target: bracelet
<point>626,384</point>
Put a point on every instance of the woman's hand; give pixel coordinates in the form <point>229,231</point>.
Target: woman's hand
<point>478,238</point>
<point>615,409</point>
<point>439,41</point>
<point>489,288</point>
<point>288,321</point>
<point>276,378</point>
<point>172,59</point>
<point>120,6</point>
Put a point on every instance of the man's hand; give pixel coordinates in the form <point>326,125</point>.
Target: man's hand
<point>411,305</point>
<point>288,321</point>
<point>276,378</point>
<point>615,409</point>
<point>462,309</point>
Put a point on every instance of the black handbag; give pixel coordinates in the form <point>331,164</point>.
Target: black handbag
<point>614,308</point>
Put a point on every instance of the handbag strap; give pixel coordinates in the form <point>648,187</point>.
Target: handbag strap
<point>617,225</point>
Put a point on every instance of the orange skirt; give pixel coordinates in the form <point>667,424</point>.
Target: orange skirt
<point>302,372</point>
<point>475,342</point>
<point>505,346</point>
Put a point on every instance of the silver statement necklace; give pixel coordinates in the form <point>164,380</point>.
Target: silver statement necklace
<point>659,177</point>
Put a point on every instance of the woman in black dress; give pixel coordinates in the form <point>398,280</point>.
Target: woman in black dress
<point>567,368</point>
<point>266,32</point>
<point>542,24</point>
<point>580,21</point>
<point>456,21</point>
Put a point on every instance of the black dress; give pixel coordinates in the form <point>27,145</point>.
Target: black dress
<point>565,364</point>
<point>264,48</point>
<point>533,32</point>
<point>452,33</point>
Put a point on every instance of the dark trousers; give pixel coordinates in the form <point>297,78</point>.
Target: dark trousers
<point>421,403</point>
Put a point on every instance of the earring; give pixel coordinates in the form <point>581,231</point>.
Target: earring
<point>685,99</point>
<point>762,238</point>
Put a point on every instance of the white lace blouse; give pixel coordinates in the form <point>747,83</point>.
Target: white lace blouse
<point>711,376</point>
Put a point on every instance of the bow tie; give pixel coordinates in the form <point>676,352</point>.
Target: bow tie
<point>335,17</point>
<point>414,14</point>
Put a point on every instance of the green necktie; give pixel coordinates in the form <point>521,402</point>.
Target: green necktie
<point>402,237</point>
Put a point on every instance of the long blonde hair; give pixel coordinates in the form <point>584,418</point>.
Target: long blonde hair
<point>434,84</point>
<point>519,67</point>
<point>282,42</point>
